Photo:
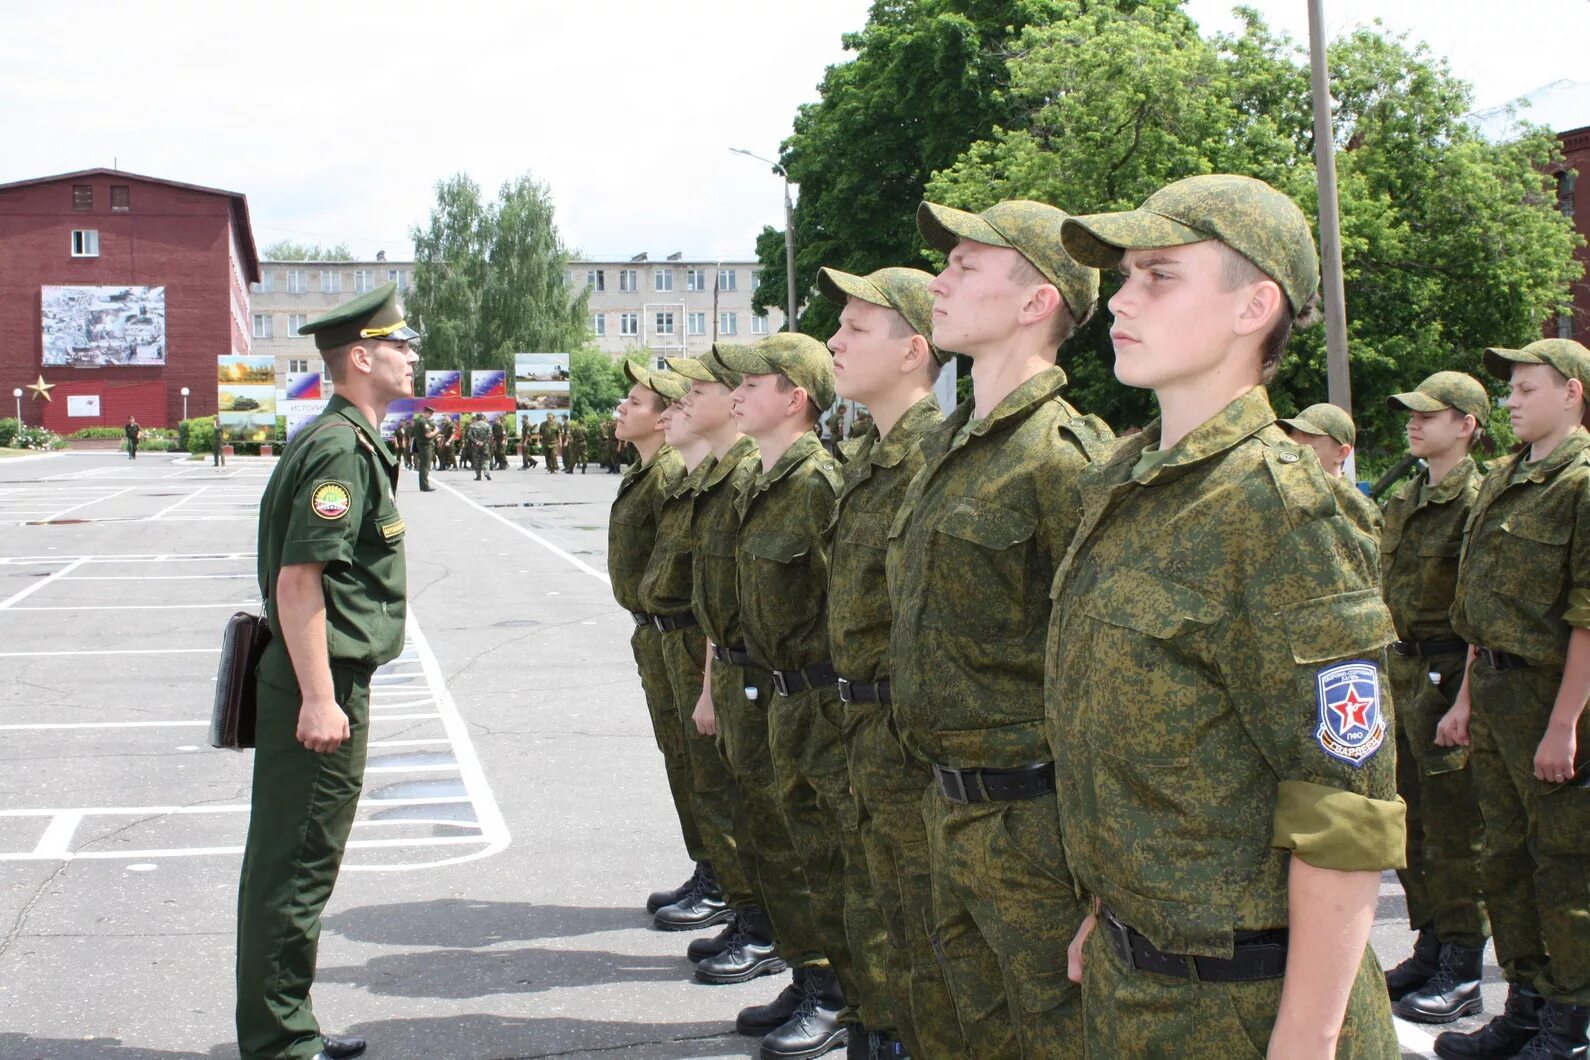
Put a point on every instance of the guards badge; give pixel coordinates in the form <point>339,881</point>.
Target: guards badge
<point>1352,723</point>
<point>331,501</point>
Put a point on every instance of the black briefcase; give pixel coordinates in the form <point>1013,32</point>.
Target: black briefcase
<point>233,718</point>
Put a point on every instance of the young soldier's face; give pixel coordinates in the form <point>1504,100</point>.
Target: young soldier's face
<point>1332,454</point>
<point>1434,433</point>
<point>1173,315</point>
<point>1540,402</point>
<point>391,368</point>
<point>637,414</point>
<point>676,430</point>
<point>868,349</point>
<point>707,407</point>
<point>977,299</point>
<point>759,405</point>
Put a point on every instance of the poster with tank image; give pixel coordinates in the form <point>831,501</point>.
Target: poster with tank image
<point>246,397</point>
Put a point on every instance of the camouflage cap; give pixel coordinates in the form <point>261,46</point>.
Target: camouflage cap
<point>670,386</point>
<point>1249,216</point>
<point>375,314</point>
<point>694,369</point>
<point>799,358</point>
<point>718,367</point>
<point>1327,419</point>
<point>1565,355</point>
<point>1031,228</point>
<point>1445,390</point>
<point>903,290</point>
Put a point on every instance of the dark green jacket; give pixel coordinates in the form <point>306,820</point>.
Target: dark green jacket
<point>632,527</point>
<point>715,597</point>
<point>666,587</point>
<point>1419,550</point>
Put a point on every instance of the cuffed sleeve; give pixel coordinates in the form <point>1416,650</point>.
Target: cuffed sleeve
<point>1578,612</point>
<point>1334,829</point>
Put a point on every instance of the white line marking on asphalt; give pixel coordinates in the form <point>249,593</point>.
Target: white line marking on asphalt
<point>172,507</point>
<point>111,651</point>
<point>157,577</point>
<point>85,504</point>
<point>1412,1038</point>
<point>139,607</point>
<point>531,534</point>
<point>41,583</point>
<point>56,841</point>
<point>53,725</point>
<point>201,809</point>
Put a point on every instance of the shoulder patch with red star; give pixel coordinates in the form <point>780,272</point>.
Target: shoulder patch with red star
<point>1352,721</point>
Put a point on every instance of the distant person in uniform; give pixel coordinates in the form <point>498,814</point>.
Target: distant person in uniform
<point>424,436</point>
<point>218,444</point>
<point>1330,432</point>
<point>333,577</point>
<point>478,436</point>
<point>549,443</point>
<point>579,446</point>
<point>133,433</point>
<point>499,445</point>
<point>526,445</point>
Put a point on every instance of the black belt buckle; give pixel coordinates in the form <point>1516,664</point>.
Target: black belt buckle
<point>954,784</point>
<point>844,690</point>
<point>779,684</point>
<point>1501,660</point>
<point>1120,937</point>
<point>1405,648</point>
<point>640,618</point>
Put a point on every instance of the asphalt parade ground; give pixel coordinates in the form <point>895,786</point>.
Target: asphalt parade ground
<point>514,817</point>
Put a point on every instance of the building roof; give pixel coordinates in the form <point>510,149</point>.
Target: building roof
<point>1562,106</point>
<point>239,205</point>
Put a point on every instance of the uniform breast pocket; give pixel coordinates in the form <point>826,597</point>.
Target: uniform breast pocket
<point>1154,665</point>
<point>868,529</point>
<point>1533,547</point>
<point>982,578</point>
<point>1438,563</point>
<point>631,541</point>
<point>783,583</point>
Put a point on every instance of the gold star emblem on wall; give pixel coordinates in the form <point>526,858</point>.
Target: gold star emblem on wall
<point>41,389</point>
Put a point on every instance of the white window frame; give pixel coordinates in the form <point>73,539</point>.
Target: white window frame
<point>298,367</point>
<point>296,321</point>
<point>664,321</point>
<point>726,280</point>
<point>395,276</point>
<point>85,242</point>
<point>756,278</point>
<point>628,280</point>
<point>662,279</point>
<point>696,324</point>
<point>596,280</point>
<point>728,322</point>
<point>629,324</point>
<point>695,279</point>
<point>363,281</point>
<point>297,281</point>
<point>759,324</point>
<point>266,285</point>
<point>599,325</point>
<point>264,326</point>
<point>330,283</point>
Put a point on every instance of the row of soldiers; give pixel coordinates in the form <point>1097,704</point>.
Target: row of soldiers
<point>1015,739</point>
<point>446,445</point>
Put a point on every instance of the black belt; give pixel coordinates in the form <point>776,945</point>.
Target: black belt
<point>995,785</point>
<point>737,656</point>
<point>1502,660</point>
<point>859,692</point>
<point>1256,956</point>
<point>1439,646</point>
<point>789,682</point>
<point>669,623</point>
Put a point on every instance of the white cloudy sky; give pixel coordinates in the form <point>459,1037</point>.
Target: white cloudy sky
<point>336,119</point>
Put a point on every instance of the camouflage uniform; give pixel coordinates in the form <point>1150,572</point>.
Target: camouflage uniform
<point>1523,585</point>
<point>526,445</point>
<point>1191,623</point>
<point>549,443</point>
<point>424,436</point>
<point>578,444</point>
<point>499,444</point>
<point>665,589</point>
<point>478,438</point>
<point>976,539</point>
<point>761,836</point>
<point>1333,422</point>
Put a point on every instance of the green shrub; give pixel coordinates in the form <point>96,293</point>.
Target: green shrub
<point>156,445</point>
<point>97,432</point>
<point>39,438</point>
<point>196,435</point>
<point>8,432</point>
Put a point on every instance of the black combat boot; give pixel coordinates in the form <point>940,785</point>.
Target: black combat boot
<point>750,952</point>
<point>1503,1036</point>
<point>759,1020</point>
<point>1564,1033</point>
<point>1418,969</point>
<point>814,1029</point>
<point>700,949</point>
<point>860,1043</point>
<point>659,899</point>
<point>701,906</point>
<point>1452,993</point>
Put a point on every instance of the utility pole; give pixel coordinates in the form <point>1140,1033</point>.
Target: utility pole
<point>1338,376</point>
<point>789,235</point>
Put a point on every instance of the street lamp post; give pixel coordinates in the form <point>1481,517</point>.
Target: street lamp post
<point>17,393</point>
<point>789,234</point>
<point>184,402</point>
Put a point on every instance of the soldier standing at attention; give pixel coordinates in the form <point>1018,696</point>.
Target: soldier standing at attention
<point>1523,605</point>
<point>331,571</point>
<point>977,539</point>
<point>217,443</point>
<point>883,357</point>
<point>424,436</point>
<point>526,444</point>
<point>609,448</point>
<point>1419,558</point>
<point>1215,685</point>
<point>499,445</point>
<point>549,443</point>
<point>133,433</point>
<point>478,438</point>
<point>1330,432</point>
<point>579,444</point>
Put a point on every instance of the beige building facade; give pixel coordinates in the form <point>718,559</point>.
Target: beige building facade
<point>291,293</point>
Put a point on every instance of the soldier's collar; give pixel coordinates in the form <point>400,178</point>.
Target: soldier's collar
<point>1046,384</point>
<point>1455,482</point>
<point>1554,461</point>
<point>742,450</point>
<point>1246,416</point>
<point>799,451</point>
<point>906,434</point>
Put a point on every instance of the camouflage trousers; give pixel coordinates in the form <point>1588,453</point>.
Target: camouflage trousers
<point>1445,834</point>
<point>647,644</point>
<point>1148,1016</point>
<point>766,852</point>
<point>812,784</point>
<point>1006,911</point>
<point>888,783</point>
<point>1537,835</point>
<point>713,792</point>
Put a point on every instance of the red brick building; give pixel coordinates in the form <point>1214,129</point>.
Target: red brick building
<point>1573,185</point>
<point>122,288</point>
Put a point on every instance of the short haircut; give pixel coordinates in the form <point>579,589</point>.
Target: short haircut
<point>336,360</point>
<point>1238,271</point>
<point>1064,325</point>
<point>785,384</point>
<point>901,328</point>
<point>658,402</point>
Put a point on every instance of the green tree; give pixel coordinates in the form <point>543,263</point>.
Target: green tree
<point>287,250</point>
<point>489,278</point>
<point>597,382</point>
<point>1450,244</point>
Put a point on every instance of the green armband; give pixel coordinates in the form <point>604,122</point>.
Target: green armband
<point>1334,829</point>
<point>1578,613</point>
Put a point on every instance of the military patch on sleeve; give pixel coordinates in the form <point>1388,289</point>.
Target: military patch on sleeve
<point>331,501</point>
<point>1352,723</point>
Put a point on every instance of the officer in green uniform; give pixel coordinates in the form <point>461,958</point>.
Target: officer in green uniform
<point>331,571</point>
<point>1216,653</point>
<point>478,437</point>
<point>1419,549</point>
<point>217,443</point>
<point>782,553</point>
<point>883,357</point>
<point>1523,604</point>
<point>424,434</point>
<point>1330,432</point>
<point>549,443</point>
<point>976,539</point>
<point>579,445</point>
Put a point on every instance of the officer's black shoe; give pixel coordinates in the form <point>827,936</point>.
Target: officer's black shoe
<point>1452,993</point>
<point>750,952</point>
<point>1418,969</point>
<point>659,899</point>
<point>1564,1033</point>
<point>700,949</point>
<point>758,1020</point>
<point>701,906</point>
<point>814,1029</point>
<point>336,1048</point>
<point>1503,1036</point>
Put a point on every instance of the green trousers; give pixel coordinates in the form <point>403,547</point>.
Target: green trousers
<point>812,784</point>
<point>766,851</point>
<point>1445,833</point>
<point>1536,866</point>
<point>713,792</point>
<point>300,814</point>
<point>1149,1016</point>
<point>422,465</point>
<point>888,783</point>
<point>647,644</point>
<point>1006,911</point>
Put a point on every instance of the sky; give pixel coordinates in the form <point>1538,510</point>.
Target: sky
<point>338,119</point>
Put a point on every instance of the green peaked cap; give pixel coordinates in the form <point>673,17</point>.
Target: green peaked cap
<point>1565,355</point>
<point>1445,390</point>
<point>375,314</point>
<point>1326,419</point>
<point>799,358</point>
<point>1030,228</point>
<point>903,290</point>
